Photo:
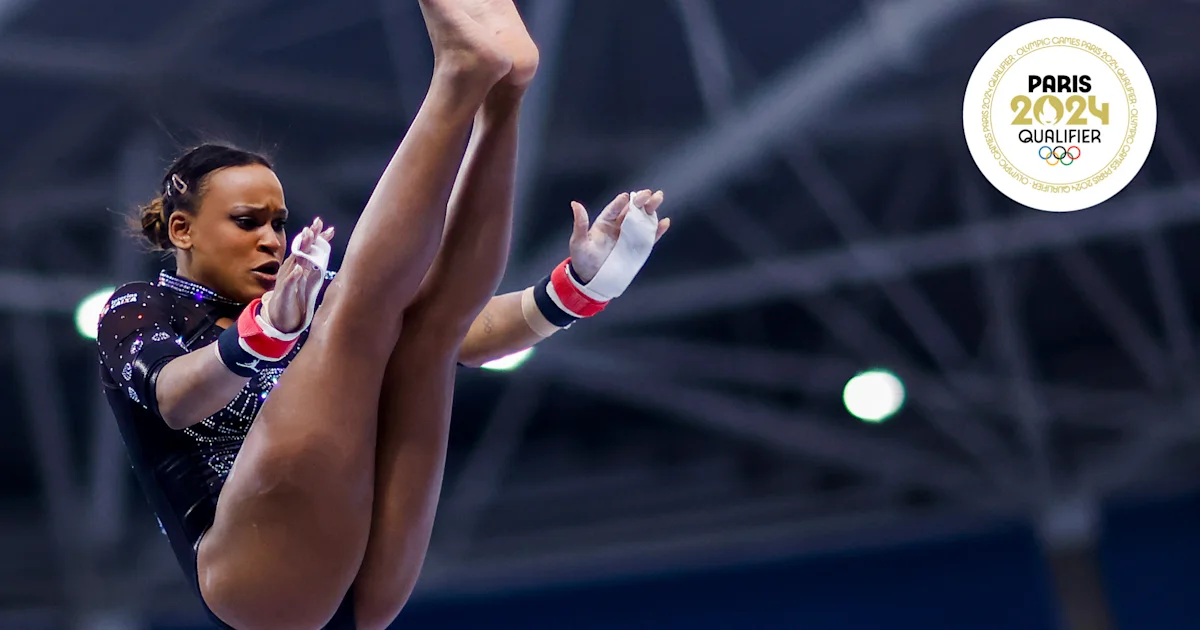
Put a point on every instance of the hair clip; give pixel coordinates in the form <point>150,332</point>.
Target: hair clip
<point>179,184</point>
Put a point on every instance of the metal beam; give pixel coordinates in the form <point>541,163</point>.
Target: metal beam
<point>153,62</point>
<point>137,174</point>
<point>32,293</point>
<point>47,424</point>
<point>902,117</point>
<point>104,66</point>
<point>826,375</point>
<point>749,532</point>
<point>1169,297</point>
<point>779,110</point>
<point>70,127</point>
<point>1014,347</point>
<point>196,29</point>
<point>859,333</point>
<point>1128,331</point>
<point>1164,278</point>
<point>800,275</point>
<point>1166,425</point>
<point>709,51</point>
<point>572,153</point>
<point>798,432</point>
<point>931,330</point>
<point>816,273</point>
<point>21,209</point>
<point>479,482</point>
<point>711,66</point>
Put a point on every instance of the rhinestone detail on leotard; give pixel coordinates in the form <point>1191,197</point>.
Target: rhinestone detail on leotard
<point>198,292</point>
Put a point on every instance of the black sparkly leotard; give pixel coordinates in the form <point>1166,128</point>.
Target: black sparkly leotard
<point>143,327</point>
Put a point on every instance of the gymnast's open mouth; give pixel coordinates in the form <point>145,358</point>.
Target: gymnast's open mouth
<point>269,269</point>
<point>266,274</point>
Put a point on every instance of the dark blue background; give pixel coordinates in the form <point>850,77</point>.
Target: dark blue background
<point>994,580</point>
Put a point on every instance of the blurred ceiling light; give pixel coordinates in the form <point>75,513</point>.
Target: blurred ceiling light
<point>873,395</point>
<point>510,362</point>
<point>87,314</point>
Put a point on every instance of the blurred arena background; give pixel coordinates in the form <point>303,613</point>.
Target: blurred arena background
<point>687,459</point>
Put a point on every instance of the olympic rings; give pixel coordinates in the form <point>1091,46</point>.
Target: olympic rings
<point>1059,155</point>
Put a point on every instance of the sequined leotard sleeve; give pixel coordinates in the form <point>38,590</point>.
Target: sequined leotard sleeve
<point>138,335</point>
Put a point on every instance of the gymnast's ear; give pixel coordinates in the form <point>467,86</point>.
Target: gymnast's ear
<point>180,230</point>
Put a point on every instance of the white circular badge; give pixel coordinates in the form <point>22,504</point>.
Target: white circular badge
<point>1059,115</point>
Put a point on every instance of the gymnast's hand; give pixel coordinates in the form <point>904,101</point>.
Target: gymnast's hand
<point>288,304</point>
<point>590,246</point>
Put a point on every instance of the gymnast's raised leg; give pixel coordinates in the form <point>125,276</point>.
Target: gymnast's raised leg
<point>419,383</point>
<point>293,518</point>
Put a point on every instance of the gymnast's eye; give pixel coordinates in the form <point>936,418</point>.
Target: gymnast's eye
<point>246,223</point>
<point>279,224</point>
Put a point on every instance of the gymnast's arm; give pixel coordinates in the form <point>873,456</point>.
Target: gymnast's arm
<point>144,355</point>
<point>146,359</point>
<point>515,321</point>
<point>500,330</point>
<point>193,387</point>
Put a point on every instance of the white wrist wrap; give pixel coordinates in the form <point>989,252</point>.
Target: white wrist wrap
<point>534,318</point>
<point>319,258</point>
<point>623,264</point>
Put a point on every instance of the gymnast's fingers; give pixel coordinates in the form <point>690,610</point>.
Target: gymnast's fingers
<point>614,208</point>
<point>621,217</point>
<point>304,242</point>
<point>655,201</point>
<point>663,226</point>
<point>579,229</point>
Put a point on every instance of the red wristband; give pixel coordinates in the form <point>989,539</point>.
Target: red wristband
<point>255,341</point>
<point>568,295</point>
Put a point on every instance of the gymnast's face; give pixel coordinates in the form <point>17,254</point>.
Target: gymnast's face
<point>235,242</point>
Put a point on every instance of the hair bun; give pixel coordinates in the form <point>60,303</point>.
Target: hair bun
<point>154,225</point>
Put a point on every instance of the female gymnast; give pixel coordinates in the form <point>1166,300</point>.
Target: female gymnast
<point>294,454</point>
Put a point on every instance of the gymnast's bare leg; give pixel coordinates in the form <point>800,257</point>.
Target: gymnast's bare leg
<point>414,412</point>
<point>293,519</point>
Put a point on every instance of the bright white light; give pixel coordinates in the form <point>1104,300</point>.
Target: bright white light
<point>510,362</point>
<point>87,314</point>
<point>873,396</point>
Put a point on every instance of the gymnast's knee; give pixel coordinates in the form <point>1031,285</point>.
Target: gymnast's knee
<point>248,599</point>
<point>376,609</point>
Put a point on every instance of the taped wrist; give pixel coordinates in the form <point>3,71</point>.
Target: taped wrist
<point>534,317</point>
<point>561,299</point>
<point>244,347</point>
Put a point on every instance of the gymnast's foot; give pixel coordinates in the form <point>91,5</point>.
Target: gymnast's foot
<point>463,46</point>
<point>501,17</point>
